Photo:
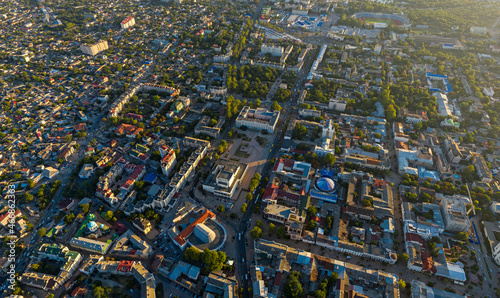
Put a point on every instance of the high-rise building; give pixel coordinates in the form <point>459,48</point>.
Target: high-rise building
<point>94,49</point>
<point>128,22</point>
<point>454,215</point>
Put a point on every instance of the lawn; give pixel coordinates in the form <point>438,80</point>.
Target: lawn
<point>375,20</point>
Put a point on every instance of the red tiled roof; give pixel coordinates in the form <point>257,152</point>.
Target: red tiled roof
<point>80,126</point>
<point>277,280</point>
<point>428,263</point>
<point>189,229</point>
<point>412,237</point>
<point>125,266</point>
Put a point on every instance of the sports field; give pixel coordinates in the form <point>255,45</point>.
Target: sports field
<point>369,21</point>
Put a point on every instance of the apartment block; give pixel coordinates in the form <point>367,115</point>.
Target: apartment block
<point>94,49</point>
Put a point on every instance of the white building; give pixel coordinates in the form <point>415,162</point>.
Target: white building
<point>454,215</point>
<point>127,22</point>
<point>168,159</point>
<point>86,171</point>
<point>94,49</point>
<point>443,105</point>
<point>271,49</point>
<point>225,178</point>
<point>337,105</point>
<point>478,30</point>
<point>260,119</point>
<point>309,113</point>
<point>50,172</point>
<point>204,233</point>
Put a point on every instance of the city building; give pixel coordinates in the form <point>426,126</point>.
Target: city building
<point>421,290</point>
<point>168,159</point>
<point>56,254</point>
<point>225,178</point>
<point>491,229</point>
<point>130,268</point>
<point>131,245</point>
<point>482,169</point>
<point>203,127</point>
<point>94,246</point>
<point>127,22</point>
<point>259,118</point>
<point>273,260</point>
<point>293,218</point>
<point>454,215</point>
<point>186,232</point>
<point>142,225</point>
<point>271,49</point>
<point>86,171</point>
<point>453,153</point>
<point>337,104</point>
<point>418,116</point>
<point>94,49</point>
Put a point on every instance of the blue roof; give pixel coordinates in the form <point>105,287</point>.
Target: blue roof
<point>430,74</point>
<point>449,88</point>
<point>150,177</point>
<point>325,184</point>
<point>332,198</point>
<point>327,173</point>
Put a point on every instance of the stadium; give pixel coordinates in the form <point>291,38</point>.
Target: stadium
<point>382,20</point>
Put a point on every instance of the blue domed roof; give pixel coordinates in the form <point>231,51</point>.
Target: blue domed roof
<point>325,184</point>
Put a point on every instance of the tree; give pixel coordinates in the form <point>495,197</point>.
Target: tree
<point>212,122</point>
<point>275,106</point>
<point>271,228</point>
<point>221,209</point>
<point>311,211</point>
<point>254,182</point>
<point>259,224</point>
<point>311,225</point>
<point>402,284</point>
<point>249,196</point>
<point>31,184</point>
<point>462,236</point>
<point>213,260</point>
<point>243,208</point>
<point>469,173</point>
<point>109,215</point>
<point>41,232</point>
<point>28,197</point>
<point>69,218</point>
<point>85,208</point>
<point>329,159</point>
<point>333,278</point>
<point>281,232</point>
<point>192,254</point>
<point>299,132</point>
<point>256,233</point>
<point>403,258</point>
<point>293,288</point>
<point>100,292</point>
